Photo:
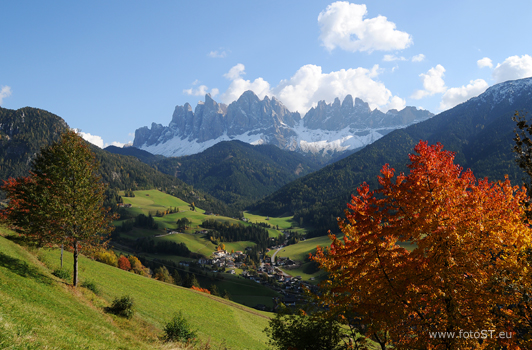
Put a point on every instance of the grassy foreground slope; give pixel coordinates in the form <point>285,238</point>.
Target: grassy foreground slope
<point>37,310</point>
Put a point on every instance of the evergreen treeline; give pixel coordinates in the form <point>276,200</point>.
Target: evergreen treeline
<point>148,245</point>
<point>23,133</point>
<point>112,199</point>
<point>228,232</point>
<point>140,221</point>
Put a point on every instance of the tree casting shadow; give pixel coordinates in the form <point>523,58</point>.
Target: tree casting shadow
<point>22,268</point>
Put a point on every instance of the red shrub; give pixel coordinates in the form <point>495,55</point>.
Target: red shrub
<point>123,263</point>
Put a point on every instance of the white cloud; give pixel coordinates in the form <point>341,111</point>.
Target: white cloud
<point>395,103</point>
<point>343,25</point>
<point>98,141</point>
<point>418,58</point>
<point>432,83</point>
<point>309,85</point>
<point>201,90</point>
<point>391,58</point>
<point>485,62</point>
<point>512,68</point>
<point>5,91</point>
<point>238,85</point>
<point>457,95</point>
<point>94,139</point>
<point>235,72</point>
<point>118,144</point>
<point>217,54</point>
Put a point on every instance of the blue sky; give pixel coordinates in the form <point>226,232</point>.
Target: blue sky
<point>110,67</point>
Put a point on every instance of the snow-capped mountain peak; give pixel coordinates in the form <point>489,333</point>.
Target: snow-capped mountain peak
<point>326,128</point>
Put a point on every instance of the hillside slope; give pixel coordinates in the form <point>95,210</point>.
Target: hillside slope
<point>40,311</point>
<point>480,131</point>
<point>237,172</point>
<point>25,131</point>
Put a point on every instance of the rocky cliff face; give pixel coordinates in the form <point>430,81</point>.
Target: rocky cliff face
<point>358,116</point>
<point>327,127</point>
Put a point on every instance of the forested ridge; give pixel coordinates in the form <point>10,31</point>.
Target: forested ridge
<point>25,131</point>
<point>479,132</point>
<point>238,173</point>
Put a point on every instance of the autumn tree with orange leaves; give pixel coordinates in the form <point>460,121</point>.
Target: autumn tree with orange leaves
<point>61,201</point>
<point>467,271</point>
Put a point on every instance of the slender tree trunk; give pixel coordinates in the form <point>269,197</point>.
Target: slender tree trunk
<point>75,264</point>
<point>61,255</point>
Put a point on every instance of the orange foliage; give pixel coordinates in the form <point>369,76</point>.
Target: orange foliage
<point>467,270</point>
<point>123,263</point>
<point>204,290</point>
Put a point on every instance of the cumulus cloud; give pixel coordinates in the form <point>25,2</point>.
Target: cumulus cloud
<point>309,85</point>
<point>484,62</point>
<point>432,83</point>
<point>94,139</point>
<point>395,103</point>
<point>217,53</point>
<point>512,68</point>
<point>418,58</point>
<point>201,90</point>
<point>457,95</point>
<point>98,141</point>
<point>239,85</point>
<point>119,144</point>
<point>5,91</point>
<point>235,72</point>
<point>343,25</point>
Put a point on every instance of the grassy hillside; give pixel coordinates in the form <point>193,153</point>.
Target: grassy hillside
<point>151,201</point>
<point>40,311</point>
<point>145,202</point>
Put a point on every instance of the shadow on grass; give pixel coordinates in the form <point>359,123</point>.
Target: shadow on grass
<point>22,268</point>
<point>21,240</point>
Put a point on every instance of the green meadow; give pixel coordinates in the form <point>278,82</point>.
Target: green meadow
<point>151,201</point>
<point>284,223</point>
<point>241,290</point>
<point>40,311</point>
<point>300,252</point>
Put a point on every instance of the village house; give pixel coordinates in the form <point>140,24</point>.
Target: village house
<point>204,261</point>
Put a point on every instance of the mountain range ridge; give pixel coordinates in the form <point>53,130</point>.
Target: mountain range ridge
<point>480,131</point>
<point>325,129</point>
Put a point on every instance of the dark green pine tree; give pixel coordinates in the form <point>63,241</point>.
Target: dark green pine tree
<point>194,282</point>
<point>187,282</point>
<point>177,278</point>
<point>214,290</point>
